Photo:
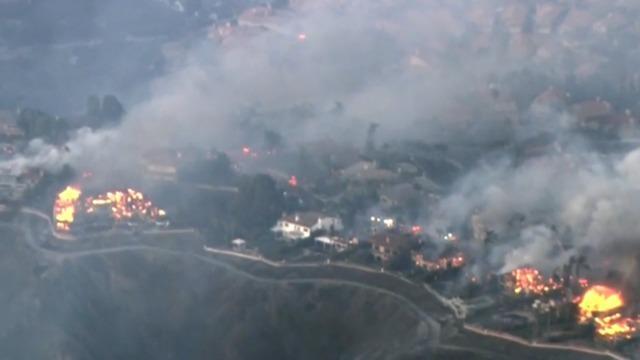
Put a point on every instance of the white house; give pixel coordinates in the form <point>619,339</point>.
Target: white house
<point>300,226</point>
<point>336,242</point>
<point>238,244</point>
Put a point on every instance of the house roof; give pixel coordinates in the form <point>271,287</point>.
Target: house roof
<point>331,240</point>
<point>307,219</point>
<point>592,109</point>
<point>392,240</point>
<point>515,15</point>
<point>367,171</point>
<point>255,14</point>
<point>611,22</point>
<point>400,193</point>
<point>548,15</point>
<point>552,97</point>
<point>481,15</point>
<point>427,184</point>
<point>621,119</point>
<point>521,44</point>
<point>8,125</point>
<point>576,20</point>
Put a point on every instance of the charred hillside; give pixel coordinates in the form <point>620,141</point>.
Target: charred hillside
<point>131,305</point>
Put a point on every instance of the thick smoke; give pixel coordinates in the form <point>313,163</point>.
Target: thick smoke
<point>407,67</point>
<point>350,56</point>
<point>571,201</point>
<point>84,150</point>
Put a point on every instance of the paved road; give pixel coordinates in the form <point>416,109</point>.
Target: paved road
<point>432,334</point>
<point>507,337</point>
<point>433,326</point>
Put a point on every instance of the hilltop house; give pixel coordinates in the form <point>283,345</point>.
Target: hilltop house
<point>387,245</point>
<point>338,243</point>
<point>300,226</point>
<point>367,172</point>
<point>593,114</point>
<point>165,163</point>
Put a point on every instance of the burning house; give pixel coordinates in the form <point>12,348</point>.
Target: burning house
<point>386,245</point>
<point>529,281</point>
<point>447,261</point>
<point>603,306</point>
<point>120,207</point>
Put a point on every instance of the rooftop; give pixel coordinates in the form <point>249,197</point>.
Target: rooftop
<point>307,219</point>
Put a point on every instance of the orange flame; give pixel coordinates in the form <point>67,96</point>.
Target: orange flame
<point>125,204</point>
<point>64,208</point>
<point>602,304</point>
<point>293,181</point>
<point>600,299</point>
<point>529,281</point>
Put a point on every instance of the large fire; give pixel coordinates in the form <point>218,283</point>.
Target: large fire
<point>455,261</point>
<point>602,305</point>
<point>124,205</point>
<point>120,204</point>
<point>64,208</point>
<point>529,281</point>
<point>599,299</point>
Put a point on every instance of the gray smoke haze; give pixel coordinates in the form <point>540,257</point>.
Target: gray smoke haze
<point>590,201</point>
<point>407,66</point>
<point>350,55</point>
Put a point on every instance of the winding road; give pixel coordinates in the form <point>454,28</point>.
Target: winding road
<point>419,308</point>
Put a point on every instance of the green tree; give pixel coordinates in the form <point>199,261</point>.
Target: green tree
<point>218,170</point>
<point>272,140</point>
<point>93,106</point>
<point>38,124</point>
<point>401,261</point>
<point>112,109</point>
<point>258,205</point>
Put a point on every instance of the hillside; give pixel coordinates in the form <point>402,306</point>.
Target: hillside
<point>132,306</point>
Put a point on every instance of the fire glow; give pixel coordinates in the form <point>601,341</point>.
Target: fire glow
<point>602,305</point>
<point>529,281</point>
<point>124,205</point>
<point>64,209</point>
<point>293,181</point>
<point>120,204</point>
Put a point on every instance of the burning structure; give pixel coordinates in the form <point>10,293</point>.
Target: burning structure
<point>602,306</point>
<point>455,261</point>
<point>115,206</point>
<point>64,208</point>
<point>529,281</point>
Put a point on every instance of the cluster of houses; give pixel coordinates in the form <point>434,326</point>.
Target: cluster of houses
<point>324,229</point>
<point>386,240</point>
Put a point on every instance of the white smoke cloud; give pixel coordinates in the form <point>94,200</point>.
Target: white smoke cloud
<point>360,53</point>
<point>538,246</point>
<point>85,148</point>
